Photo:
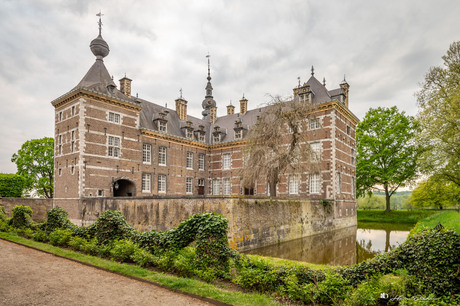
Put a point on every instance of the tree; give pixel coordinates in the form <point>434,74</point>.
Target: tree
<point>435,192</point>
<point>439,117</point>
<point>11,185</point>
<point>371,201</point>
<point>386,152</point>
<point>35,162</point>
<point>277,143</point>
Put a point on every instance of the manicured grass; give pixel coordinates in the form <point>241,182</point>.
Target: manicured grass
<point>183,284</point>
<point>448,219</point>
<point>394,216</point>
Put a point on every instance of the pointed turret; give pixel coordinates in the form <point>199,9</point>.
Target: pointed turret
<point>208,101</point>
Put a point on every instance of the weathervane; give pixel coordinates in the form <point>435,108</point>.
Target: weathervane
<point>180,90</point>
<point>298,78</point>
<point>312,71</point>
<point>100,21</point>
<point>209,69</point>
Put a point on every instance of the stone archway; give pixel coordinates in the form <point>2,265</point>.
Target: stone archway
<point>124,188</point>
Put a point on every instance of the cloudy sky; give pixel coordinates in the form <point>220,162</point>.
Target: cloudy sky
<point>257,48</point>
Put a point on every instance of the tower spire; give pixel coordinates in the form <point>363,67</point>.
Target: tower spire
<point>209,67</point>
<point>208,101</point>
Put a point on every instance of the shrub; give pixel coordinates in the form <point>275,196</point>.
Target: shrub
<point>2,213</point>
<point>60,237</point>
<point>152,241</point>
<point>57,219</point>
<point>40,235</point>
<point>110,226</point>
<point>142,257</point>
<point>333,289</point>
<point>122,250</point>
<point>12,185</point>
<point>24,232</point>
<point>77,243</point>
<point>22,217</point>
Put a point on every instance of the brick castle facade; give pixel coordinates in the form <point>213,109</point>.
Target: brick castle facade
<point>110,143</point>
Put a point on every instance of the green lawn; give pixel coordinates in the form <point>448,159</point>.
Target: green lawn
<point>448,219</point>
<point>394,216</point>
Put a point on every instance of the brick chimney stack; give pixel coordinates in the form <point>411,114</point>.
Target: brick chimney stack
<point>125,86</point>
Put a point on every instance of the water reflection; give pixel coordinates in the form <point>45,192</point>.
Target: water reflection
<point>342,247</point>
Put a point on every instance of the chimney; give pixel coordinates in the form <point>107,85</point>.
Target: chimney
<point>125,86</point>
<point>243,105</point>
<point>230,109</point>
<point>181,108</point>
<point>345,88</point>
<point>213,114</point>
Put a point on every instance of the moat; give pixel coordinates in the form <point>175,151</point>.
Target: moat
<point>341,247</point>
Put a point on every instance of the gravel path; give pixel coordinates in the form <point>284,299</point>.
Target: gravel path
<point>31,277</point>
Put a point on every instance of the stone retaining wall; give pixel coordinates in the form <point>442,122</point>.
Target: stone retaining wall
<point>39,206</point>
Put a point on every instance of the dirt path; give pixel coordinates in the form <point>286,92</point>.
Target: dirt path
<point>31,277</point>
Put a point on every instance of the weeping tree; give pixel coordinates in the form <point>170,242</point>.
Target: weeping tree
<point>277,143</point>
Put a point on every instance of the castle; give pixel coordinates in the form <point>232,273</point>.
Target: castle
<point>109,143</point>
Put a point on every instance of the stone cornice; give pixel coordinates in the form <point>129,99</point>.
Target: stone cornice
<point>100,97</point>
<point>176,139</point>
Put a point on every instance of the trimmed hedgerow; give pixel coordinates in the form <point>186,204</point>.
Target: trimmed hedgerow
<point>110,226</point>
<point>12,185</point>
<point>57,218</point>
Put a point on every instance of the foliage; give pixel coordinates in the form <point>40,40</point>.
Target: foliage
<point>57,219</point>
<point>110,226</point>
<point>122,250</point>
<point>436,192</point>
<point>22,217</point>
<point>386,152</point>
<point>278,142</point>
<point>11,185</point>
<point>2,213</point>
<point>439,117</point>
<point>431,257</point>
<point>35,162</point>
<point>371,202</point>
<point>60,237</point>
<point>395,216</point>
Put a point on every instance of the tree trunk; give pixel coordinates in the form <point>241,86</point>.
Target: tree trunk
<point>272,188</point>
<point>387,240</point>
<point>387,199</point>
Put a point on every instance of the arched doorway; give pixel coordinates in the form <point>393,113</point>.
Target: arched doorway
<point>124,188</point>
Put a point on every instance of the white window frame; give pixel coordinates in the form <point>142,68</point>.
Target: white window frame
<point>239,134</point>
<point>201,137</point>
<point>162,156</point>
<point>189,185</point>
<point>189,160</point>
<point>113,146</point>
<point>314,124</point>
<point>146,182</point>
<point>201,161</point>
<point>294,184</point>
<point>216,138</point>
<point>161,183</point>
<point>353,185</point>
<point>226,161</point>
<point>216,187</point>
<point>114,117</point>
<point>315,150</point>
<point>226,186</point>
<point>315,183</point>
<point>188,134</point>
<point>162,126</point>
<point>100,192</point>
<point>147,153</point>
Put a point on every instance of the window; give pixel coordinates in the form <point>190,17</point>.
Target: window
<point>113,117</point>
<point>60,116</point>
<point>72,143</point>
<point>314,124</point>
<point>146,182</point>
<point>100,193</point>
<point>348,130</point>
<point>201,161</point>
<point>72,170</point>
<point>226,161</point>
<point>215,187</point>
<point>353,185</point>
<point>238,134</point>
<point>315,183</point>
<point>113,146</point>
<point>188,185</point>
<point>146,153</point>
<point>315,150</point>
<point>162,156</point>
<point>201,137</point>
<point>189,160</point>
<point>60,171</point>
<point>73,111</point>
<point>189,133</point>
<point>162,126</point>
<point>161,183</point>
<point>352,156</point>
<point>216,138</point>
<point>339,183</point>
<point>227,187</point>
<point>294,182</point>
<point>60,144</point>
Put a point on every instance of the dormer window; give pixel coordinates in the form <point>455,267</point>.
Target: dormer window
<point>238,130</point>
<point>162,126</point>
<point>216,138</point>
<point>238,134</point>
<point>201,137</point>
<point>200,133</point>
<point>189,133</point>
<point>161,122</point>
<point>216,135</point>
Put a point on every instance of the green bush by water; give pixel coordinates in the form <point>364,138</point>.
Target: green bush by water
<point>448,219</point>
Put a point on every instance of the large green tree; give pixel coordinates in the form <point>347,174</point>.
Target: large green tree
<point>35,162</point>
<point>386,152</point>
<point>435,192</point>
<point>439,117</point>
